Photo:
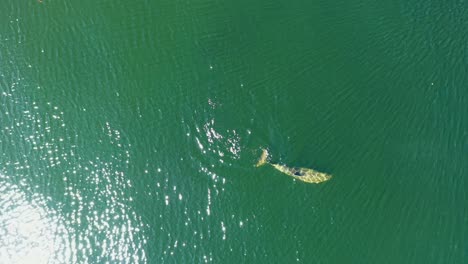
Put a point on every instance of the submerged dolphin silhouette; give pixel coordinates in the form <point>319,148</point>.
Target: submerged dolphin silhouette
<point>303,174</point>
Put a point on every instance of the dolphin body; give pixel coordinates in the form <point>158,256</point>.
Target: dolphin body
<point>303,174</point>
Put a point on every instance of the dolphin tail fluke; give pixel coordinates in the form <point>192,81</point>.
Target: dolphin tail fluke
<point>263,158</point>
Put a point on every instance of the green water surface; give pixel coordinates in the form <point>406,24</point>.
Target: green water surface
<point>129,131</point>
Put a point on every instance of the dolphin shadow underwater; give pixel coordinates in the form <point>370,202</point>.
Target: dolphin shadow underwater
<point>303,174</point>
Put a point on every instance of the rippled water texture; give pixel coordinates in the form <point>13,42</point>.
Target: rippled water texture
<point>58,206</point>
<point>129,131</point>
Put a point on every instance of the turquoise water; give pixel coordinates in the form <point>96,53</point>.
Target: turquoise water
<point>129,131</point>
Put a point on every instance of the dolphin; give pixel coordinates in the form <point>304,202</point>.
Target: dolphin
<point>303,174</point>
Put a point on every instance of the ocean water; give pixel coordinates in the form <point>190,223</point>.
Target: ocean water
<point>129,131</point>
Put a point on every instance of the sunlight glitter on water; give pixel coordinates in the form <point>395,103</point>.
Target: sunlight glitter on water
<point>78,223</point>
<point>30,231</point>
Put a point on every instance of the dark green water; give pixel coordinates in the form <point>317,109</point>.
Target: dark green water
<point>129,130</point>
